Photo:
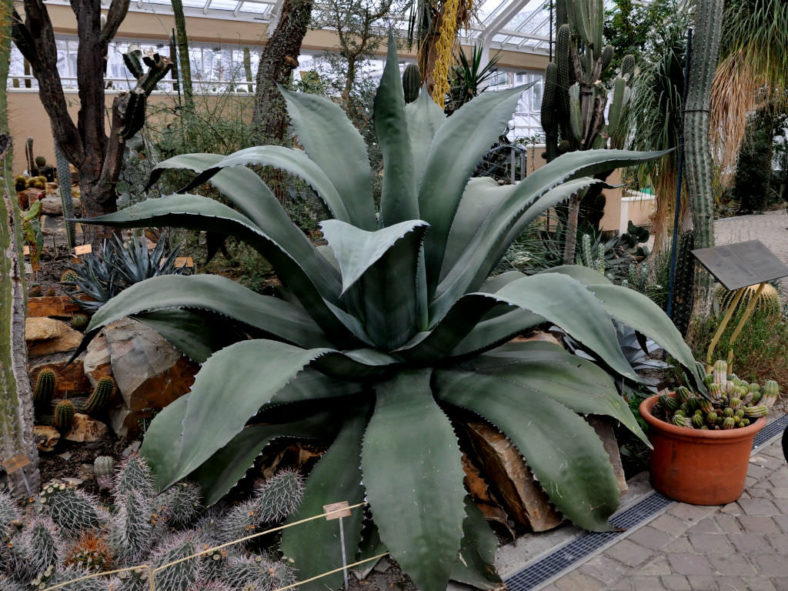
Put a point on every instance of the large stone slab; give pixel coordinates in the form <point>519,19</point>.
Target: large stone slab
<point>45,306</point>
<point>53,205</point>
<point>149,372</point>
<point>85,429</point>
<point>70,377</point>
<point>45,336</point>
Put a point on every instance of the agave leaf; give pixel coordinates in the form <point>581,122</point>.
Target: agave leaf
<point>539,191</point>
<point>185,434</point>
<point>423,118</point>
<point>322,126</point>
<point>293,161</point>
<point>379,277</point>
<point>198,335</point>
<point>196,162</point>
<point>398,199</point>
<point>635,310</point>
<point>477,552</point>
<point>492,332</point>
<point>272,315</point>
<point>548,370</point>
<point>574,471</point>
<point>312,279</point>
<point>480,254</point>
<point>227,466</point>
<point>419,513</point>
<point>475,127</point>
<point>336,477</point>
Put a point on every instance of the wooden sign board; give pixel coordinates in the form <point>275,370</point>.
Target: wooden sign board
<point>337,510</point>
<point>26,250</point>
<point>28,269</point>
<point>16,463</point>
<point>83,249</point>
<point>184,262</point>
<point>741,264</point>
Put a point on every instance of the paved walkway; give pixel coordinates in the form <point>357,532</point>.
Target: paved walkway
<point>770,228</point>
<point>742,546</point>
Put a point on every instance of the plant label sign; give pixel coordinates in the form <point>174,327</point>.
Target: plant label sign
<point>16,463</point>
<point>741,264</point>
<point>337,510</point>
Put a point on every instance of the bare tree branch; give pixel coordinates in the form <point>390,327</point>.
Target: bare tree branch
<point>115,15</point>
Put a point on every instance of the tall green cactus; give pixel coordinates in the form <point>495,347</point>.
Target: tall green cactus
<point>411,82</point>
<point>703,63</point>
<point>574,98</point>
<point>16,400</point>
<point>45,388</point>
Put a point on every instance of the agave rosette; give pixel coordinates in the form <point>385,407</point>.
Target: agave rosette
<point>391,332</point>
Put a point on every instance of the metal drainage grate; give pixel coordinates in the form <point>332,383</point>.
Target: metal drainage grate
<point>771,430</point>
<point>563,557</point>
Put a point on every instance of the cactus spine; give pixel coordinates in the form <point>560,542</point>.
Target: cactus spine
<point>64,415</point>
<point>100,397</point>
<point>411,82</point>
<point>45,388</point>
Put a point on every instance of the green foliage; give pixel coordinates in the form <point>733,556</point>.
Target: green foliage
<point>467,77</point>
<point>752,183</point>
<point>397,329</point>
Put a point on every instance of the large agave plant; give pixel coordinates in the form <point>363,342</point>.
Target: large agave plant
<point>391,333</point>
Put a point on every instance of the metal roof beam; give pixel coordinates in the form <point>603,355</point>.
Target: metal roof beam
<point>503,18</point>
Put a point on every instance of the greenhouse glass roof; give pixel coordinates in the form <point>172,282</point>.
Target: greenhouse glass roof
<point>518,25</point>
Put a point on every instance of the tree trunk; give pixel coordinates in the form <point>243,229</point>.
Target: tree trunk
<point>350,78</point>
<point>184,63</point>
<point>277,61</point>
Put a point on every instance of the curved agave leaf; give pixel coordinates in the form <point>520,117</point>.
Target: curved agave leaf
<point>481,253</point>
<point>423,118</point>
<point>196,162</point>
<point>495,331</point>
<point>226,467</point>
<point>548,370</point>
<point>419,513</point>
<point>398,199</point>
<point>635,310</point>
<point>574,471</point>
<point>539,191</point>
<point>336,477</point>
<point>198,335</point>
<point>380,277</point>
<point>312,279</point>
<point>272,315</point>
<point>185,434</point>
<point>293,161</point>
<point>475,127</point>
<point>477,551</point>
<point>322,126</point>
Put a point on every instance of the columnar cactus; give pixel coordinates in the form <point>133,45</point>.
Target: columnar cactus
<point>411,82</point>
<point>100,397</point>
<point>64,188</point>
<point>45,388</point>
<point>64,415</point>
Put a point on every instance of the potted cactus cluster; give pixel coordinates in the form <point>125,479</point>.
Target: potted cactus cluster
<point>702,442</point>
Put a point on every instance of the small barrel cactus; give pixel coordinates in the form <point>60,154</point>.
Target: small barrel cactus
<point>45,388</point>
<point>100,397</point>
<point>79,321</point>
<point>411,82</point>
<point>64,415</point>
<point>104,466</point>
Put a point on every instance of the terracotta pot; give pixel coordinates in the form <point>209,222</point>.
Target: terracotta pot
<point>698,466</point>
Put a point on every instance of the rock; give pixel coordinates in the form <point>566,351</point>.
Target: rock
<point>539,335</point>
<point>53,205</point>
<point>52,188</point>
<point>97,363</point>
<point>45,306</point>
<point>45,336</point>
<point>46,437</point>
<point>73,481</point>
<point>521,496</point>
<point>86,429</point>
<point>149,372</point>
<point>132,448</point>
<point>65,456</point>
<point>604,429</point>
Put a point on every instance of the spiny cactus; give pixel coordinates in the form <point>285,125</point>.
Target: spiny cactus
<point>411,82</point>
<point>41,545</point>
<point>134,475</point>
<point>64,188</point>
<point>100,397</point>
<point>180,576</point>
<point>131,528</point>
<point>279,496</point>
<point>71,509</point>
<point>104,466</point>
<point>79,321</point>
<point>91,552</point>
<point>260,571</point>
<point>64,415</point>
<point>730,404</point>
<point>239,522</point>
<point>72,573</point>
<point>178,506</point>
<point>45,388</point>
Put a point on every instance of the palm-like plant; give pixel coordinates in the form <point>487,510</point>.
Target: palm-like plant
<point>393,332</point>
